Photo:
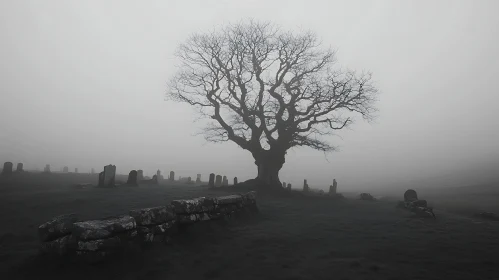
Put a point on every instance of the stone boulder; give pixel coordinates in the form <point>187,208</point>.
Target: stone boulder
<point>196,205</point>
<point>59,226</point>
<point>153,216</point>
<point>410,195</point>
<point>100,229</point>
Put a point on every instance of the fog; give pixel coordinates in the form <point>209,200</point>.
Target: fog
<point>82,84</point>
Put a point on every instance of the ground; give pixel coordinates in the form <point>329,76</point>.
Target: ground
<point>292,237</point>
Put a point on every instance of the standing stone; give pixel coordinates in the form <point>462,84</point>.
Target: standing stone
<point>283,185</point>
<point>65,169</point>
<point>7,168</point>
<point>140,175</point>
<point>289,186</point>
<point>189,180</point>
<point>132,178</point>
<point>211,183</point>
<point>305,186</point>
<point>218,181</point>
<point>154,179</point>
<point>198,178</point>
<point>158,175</point>
<point>76,170</point>
<point>235,180</point>
<point>19,167</point>
<point>47,168</point>
<point>225,181</point>
<point>333,187</point>
<point>172,176</point>
<point>92,171</point>
<point>106,178</point>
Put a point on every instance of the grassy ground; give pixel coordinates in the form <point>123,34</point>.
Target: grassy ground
<point>292,238</point>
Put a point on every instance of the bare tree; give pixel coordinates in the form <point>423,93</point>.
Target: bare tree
<point>269,90</point>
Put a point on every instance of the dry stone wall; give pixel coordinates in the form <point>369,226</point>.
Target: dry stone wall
<point>97,240</point>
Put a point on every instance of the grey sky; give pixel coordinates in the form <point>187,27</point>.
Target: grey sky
<point>82,84</point>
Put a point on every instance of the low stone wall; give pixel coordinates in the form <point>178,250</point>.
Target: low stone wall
<point>96,240</point>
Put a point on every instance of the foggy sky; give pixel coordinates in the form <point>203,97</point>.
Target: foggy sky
<point>82,84</point>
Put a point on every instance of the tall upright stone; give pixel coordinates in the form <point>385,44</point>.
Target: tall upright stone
<point>140,175</point>
<point>283,185</point>
<point>172,176</point>
<point>235,180</point>
<point>218,181</point>
<point>107,177</point>
<point>198,178</point>
<point>211,182</point>
<point>47,168</point>
<point>76,170</point>
<point>132,178</point>
<point>305,186</point>
<point>289,186</point>
<point>7,168</point>
<point>333,187</point>
<point>19,167</point>
<point>65,169</point>
<point>189,180</point>
<point>225,181</point>
<point>92,171</point>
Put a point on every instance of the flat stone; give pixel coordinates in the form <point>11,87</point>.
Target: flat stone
<point>100,229</point>
<point>57,227</point>
<point>188,218</point>
<point>249,198</point>
<point>228,199</point>
<point>196,205</point>
<point>99,244</point>
<point>153,216</point>
<point>58,246</point>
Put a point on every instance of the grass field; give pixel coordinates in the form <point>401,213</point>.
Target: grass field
<point>293,237</point>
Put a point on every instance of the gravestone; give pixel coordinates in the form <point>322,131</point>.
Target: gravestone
<point>19,167</point>
<point>305,186</point>
<point>158,175</point>
<point>172,176</point>
<point>189,180</point>
<point>154,179</point>
<point>7,168</point>
<point>106,177</point>
<point>76,170</point>
<point>289,186</point>
<point>235,180</point>
<point>140,175</point>
<point>218,181</point>
<point>65,169</point>
<point>198,178</point>
<point>47,168</point>
<point>283,185</point>
<point>410,195</point>
<point>211,182</point>
<point>225,181</point>
<point>333,188</point>
<point>132,178</point>
<point>92,171</point>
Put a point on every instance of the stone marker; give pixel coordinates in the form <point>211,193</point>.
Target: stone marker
<point>19,167</point>
<point>158,175</point>
<point>47,168</point>
<point>65,169</point>
<point>211,183</point>
<point>57,227</point>
<point>218,181</point>
<point>235,180</point>
<point>198,178</point>
<point>106,177</point>
<point>305,186</point>
<point>289,186</point>
<point>410,195</point>
<point>76,170</point>
<point>132,178</point>
<point>333,187</point>
<point>225,181</point>
<point>155,179</point>
<point>172,176</point>
<point>189,180</point>
<point>7,168</point>
<point>92,171</point>
<point>283,185</point>
<point>140,175</point>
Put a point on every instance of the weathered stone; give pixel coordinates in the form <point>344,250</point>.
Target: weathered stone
<point>99,244</point>
<point>289,186</point>
<point>65,169</point>
<point>172,176</point>
<point>7,168</point>
<point>366,196</point>
<point>109,175</point>
<point>93,256</point>
<point>410,195</point>
<point>189,180</point>
<point>188,218</point>
<point>305,186</point>
<point>92,171</point>
<point>76,170</point>
<point>163,228</point>
<point>283,185</point>
<point>47,168</point>
<point>333,188</point>
<point>235,180</point>
<point>196,205</point>
<point>225,182</point>
<point>250,197</point>
<point>211,182</point>
<point>229,199</point>
<point>58,246</point>
<point>132,178</point>
<point>218,181</point>
<point>153,215</point>
<point>198,178</point>
<point>100,229</point>
<point>19,167</point>
<point>57,227</point>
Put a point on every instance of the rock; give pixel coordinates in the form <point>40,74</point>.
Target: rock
<point>289,187</point>
<point>305,186</point>
<point>333,188</point>
<point>132,178</point>
<point>198,178</point>
<point>100,229</point>
<point>7,168</point>
<point>58,246</point>
<point>410,195</point>
<point>366,196</point>
<point>196,205</point>
<point>172,176</point>
<point>418,203</point>
<point>153,216</point>
<point>99,244</point>
<point>211,183</point>
<point>229,199</point>
<point>235,181</point>
<point>283,185</point>
<point>93,256</point>
<point>65,169</point>
<point>188,218</point>
<point>218,181</point>
<point>140,175</point>
<point>57,227</point>
<point>19,168</point>
<point>47,168</point>
<point>249,198</point>
<point>225,181</point>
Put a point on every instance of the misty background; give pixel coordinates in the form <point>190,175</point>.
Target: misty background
<point>82,84</point>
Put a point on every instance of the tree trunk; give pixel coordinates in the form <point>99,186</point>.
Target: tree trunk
<point>269,163</point>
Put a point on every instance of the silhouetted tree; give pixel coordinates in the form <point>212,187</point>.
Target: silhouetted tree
<point>268,90</point>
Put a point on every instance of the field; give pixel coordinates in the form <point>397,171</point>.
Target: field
<point>293,237</point>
